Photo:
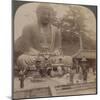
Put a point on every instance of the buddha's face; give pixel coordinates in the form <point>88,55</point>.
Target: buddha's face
<point>44,17</point>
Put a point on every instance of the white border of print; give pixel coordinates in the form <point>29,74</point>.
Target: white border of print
<point>6,47</point>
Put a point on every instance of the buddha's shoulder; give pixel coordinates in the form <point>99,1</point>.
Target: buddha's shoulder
<point>35,27</point>
<point>32,27</point>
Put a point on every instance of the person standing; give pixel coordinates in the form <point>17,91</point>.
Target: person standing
<point>84,68</point>
<point>22,78</point>
<point>72,72</point>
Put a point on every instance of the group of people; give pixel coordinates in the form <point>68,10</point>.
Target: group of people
<point>82,68</point>
<point>47,68</point>
<point>78,72</point>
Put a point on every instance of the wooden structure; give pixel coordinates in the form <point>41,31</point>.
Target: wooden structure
<point>90,55</point>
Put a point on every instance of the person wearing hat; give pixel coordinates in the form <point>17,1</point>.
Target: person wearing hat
<point>84,68</point>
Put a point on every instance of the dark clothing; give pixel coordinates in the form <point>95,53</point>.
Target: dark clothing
<point>21,78</point>
<point>22,83</point>
<point>84,75</point>
<point>84,71</point>
<point>49,71</point>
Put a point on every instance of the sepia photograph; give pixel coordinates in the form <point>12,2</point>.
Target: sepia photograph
<point>54,49</point>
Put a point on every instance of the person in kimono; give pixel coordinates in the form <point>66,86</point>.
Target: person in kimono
<point>84,67</point>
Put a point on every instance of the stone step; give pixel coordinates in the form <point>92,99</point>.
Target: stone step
<point>33,93</point>
<point>71,89</point>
